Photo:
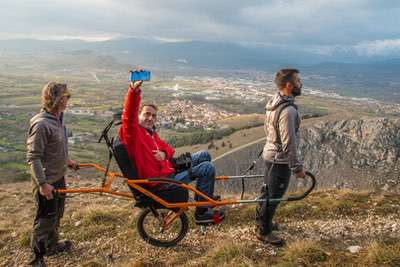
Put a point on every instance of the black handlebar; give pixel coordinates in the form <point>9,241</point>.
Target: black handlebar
<point>104,133</point>
<point>308,191</point>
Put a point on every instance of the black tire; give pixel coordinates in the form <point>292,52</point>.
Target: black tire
<point>149,228</point>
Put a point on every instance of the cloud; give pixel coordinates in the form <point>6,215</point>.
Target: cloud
<point>378,48</point>
<point>318,25</point>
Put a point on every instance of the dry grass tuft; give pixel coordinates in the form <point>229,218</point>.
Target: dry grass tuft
<point>224,254</point>
<point>303,253</point>
<point>25,236</point>
<point>387,203</point>
<point>331,203</point>
<point>142,263</point>
<point>240,215</point>
<point>383,255</point>
<point>100,215</point>
<point>93,263</point>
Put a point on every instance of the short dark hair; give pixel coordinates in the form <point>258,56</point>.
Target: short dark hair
<point>284,76</point>
<point>148,105</point>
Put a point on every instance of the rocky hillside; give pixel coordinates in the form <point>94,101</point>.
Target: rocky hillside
<point>360,153</point>
<point>330,228</point>
<point>351,153</point>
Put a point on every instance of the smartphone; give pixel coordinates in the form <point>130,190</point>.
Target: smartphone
<point>136,75</point>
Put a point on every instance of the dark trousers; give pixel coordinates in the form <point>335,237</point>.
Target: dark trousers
<point>277,181</point>
<point>47,220</point>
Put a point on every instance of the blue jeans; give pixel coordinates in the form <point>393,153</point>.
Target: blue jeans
<point>204,172</point>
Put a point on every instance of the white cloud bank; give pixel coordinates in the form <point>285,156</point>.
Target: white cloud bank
<point>378,48</point>
<point>322,26</point>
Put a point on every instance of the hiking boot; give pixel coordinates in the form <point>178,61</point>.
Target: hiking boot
<point>271,239</point>
<point>36,261</point>
<point>209,217</point>
<point>61,246</point>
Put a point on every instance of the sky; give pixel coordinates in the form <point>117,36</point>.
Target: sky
<point>370,27</point>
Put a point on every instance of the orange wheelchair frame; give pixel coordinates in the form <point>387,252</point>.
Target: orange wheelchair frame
<point>162,223</point>
<point>170,226</point>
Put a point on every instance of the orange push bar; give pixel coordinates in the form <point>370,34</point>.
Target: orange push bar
<point>136,185</point>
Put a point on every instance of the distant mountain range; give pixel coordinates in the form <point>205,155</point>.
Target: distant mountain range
<point>200,53</point>
<point>343,71</point>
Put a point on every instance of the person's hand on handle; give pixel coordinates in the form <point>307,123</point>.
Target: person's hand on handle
<point>300,174</point>
<point>46,190</point>
<point>73,165</point>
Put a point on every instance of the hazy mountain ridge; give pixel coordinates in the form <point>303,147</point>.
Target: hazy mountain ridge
<point>374,77</point>
<point>195,53</point>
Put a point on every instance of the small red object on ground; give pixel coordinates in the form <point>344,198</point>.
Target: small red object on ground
<point>216,217</point>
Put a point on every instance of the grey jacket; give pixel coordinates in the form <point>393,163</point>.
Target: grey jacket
<point>47,148</point>
<point>289,123</point>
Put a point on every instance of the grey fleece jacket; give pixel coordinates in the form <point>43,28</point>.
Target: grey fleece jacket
<point>47,148</point>
<point>289,123</point>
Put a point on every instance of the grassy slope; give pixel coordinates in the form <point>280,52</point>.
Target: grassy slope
<point>318,231</point>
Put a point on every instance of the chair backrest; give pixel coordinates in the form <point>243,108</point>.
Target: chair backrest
<point>125,163</point>
<point>128,169</point>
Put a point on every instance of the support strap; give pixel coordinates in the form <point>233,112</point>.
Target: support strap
<point>275,122</point>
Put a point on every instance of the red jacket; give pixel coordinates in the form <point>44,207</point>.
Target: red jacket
<point>140,143</point>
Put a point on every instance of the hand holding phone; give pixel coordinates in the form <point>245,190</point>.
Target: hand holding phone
<point>136,84</point>
<point>139,75</point>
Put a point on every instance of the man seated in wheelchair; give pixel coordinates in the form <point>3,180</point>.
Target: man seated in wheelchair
<point>153,157</point>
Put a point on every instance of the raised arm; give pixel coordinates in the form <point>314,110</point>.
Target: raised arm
<point>130,114</point>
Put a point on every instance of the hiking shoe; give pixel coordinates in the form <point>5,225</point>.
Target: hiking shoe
<point>61,246</point>
<point>36,261</point>
<point>271,239</point>
<point>209,217</point>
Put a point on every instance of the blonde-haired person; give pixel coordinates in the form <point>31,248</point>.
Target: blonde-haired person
<point>47,156</point>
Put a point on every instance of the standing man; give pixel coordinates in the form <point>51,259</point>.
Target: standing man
<point>282,123</point>
<point>152,156</point>
<point>47,156</point>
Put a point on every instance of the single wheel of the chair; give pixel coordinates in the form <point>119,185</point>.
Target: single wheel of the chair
<point>150,227</point>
